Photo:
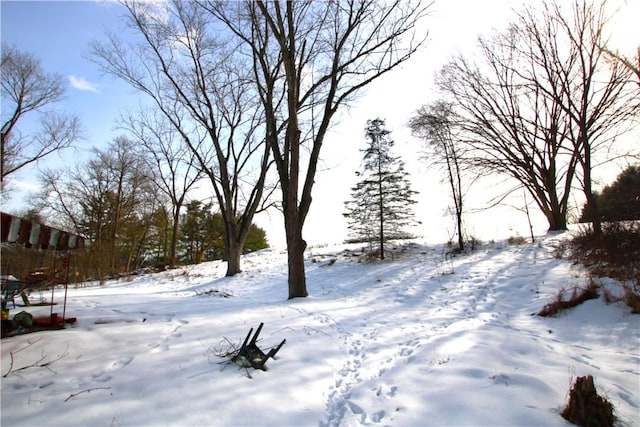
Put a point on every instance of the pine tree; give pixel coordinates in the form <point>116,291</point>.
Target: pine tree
<point>380,205</point>
<point>619,201</point>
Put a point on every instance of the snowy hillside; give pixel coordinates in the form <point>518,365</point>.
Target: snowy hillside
<point>418,340</point>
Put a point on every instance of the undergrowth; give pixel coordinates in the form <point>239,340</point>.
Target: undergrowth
<point>577,297</point>
<point>615,254</point>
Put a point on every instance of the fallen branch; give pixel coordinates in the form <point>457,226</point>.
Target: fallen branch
<point>89,390</point>
<point>213,292</point>
<point>228,351</point>
<point>40,363</point>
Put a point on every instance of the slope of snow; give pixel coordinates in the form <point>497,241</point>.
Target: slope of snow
<point>421,339</point>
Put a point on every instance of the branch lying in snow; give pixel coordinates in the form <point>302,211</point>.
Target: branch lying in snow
<point>11,353</point>
<point>214,292</point>
<point>89,390</point>
<point>40,363</point>
<point>229,351</point>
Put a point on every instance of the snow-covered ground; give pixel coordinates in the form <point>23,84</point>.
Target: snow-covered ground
<point>418,340</point>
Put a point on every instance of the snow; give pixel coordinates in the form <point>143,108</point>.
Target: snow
<point>420,339</point>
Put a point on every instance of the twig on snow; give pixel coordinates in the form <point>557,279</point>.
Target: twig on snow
<point>89,390</point>
<point>40,363</point>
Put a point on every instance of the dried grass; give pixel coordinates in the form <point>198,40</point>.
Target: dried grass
<point>632,299</point>
<point>516,240</point>
<point>578,296</point>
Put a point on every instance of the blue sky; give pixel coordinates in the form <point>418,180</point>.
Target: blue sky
<point>58,33</point>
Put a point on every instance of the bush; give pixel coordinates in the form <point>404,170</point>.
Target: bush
<point>632,300</point>
<point>618,201</point>
<point>615,254</point>
<point>516,240</point>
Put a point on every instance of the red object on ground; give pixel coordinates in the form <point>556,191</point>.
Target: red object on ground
<point>53,320</point>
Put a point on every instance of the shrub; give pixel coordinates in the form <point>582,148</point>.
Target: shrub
<point>516,240</point>
<point>632,299</point>
<point>615,254</point>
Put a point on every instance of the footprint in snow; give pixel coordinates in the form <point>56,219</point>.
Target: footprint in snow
<point>101,377</point>
<point>119,364</point>
<point>388,393</point>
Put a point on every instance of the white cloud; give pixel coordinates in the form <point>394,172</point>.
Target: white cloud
<point>81,83</point>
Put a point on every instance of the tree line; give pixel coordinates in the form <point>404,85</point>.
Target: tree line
<point>240,92</point>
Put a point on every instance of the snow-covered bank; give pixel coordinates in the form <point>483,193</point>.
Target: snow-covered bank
<point>421,339</point>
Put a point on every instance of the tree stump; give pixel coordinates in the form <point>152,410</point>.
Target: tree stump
<point>586,408</point>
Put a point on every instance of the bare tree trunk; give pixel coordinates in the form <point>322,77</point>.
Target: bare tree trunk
<point>234,251</point>
<point>173,259</point>
<point>295,255</point>
<point>592,202</point>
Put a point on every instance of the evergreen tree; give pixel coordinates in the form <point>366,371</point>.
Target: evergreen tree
<point>256,239</point>
<point>202,234</point>
<point>380,205</point>
<point>619,201</point>
<point>198,234</point>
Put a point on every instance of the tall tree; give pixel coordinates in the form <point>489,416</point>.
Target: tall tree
<point>596,95</point>
<point>187,68</point>
<point>202,234</point>
<point>509,126</point>
<point>27,88</point>
<point>435,123</point>
<point>309,58</point>
<point>380,205</point>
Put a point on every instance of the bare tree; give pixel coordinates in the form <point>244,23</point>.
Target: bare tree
<point>509,125</point>
<point>110,200</point>
<point>309,58</point>
<point>595,94</point>
<point>435,124</point>
<point>188,71</point>
<point>27,88</point>
<point>174,166</point>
